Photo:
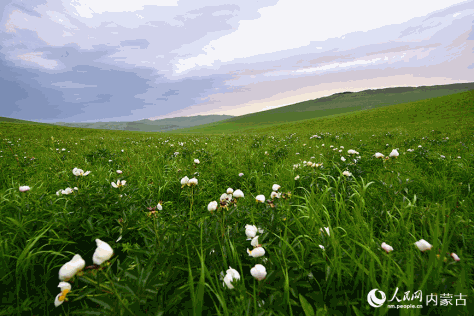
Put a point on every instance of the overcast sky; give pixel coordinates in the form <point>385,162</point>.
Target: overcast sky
<point>112,60</point>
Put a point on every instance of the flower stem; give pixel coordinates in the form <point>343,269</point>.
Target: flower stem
<point>192,202</point>
<point>222,224</point>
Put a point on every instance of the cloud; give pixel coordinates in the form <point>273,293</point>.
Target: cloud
<point>142,43</point>
<point>37,58</point>
<point>72,85</point>
<point>109,60</point>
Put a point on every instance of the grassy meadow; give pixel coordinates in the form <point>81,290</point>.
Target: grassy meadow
<point>320,233</point>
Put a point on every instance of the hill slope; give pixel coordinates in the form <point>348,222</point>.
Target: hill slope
<point>454,112</point>
<point>337,104</point>
<point>12,120</point>
<point>168,124</point>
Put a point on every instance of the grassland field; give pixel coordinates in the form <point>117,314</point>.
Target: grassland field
<point>320,232</point>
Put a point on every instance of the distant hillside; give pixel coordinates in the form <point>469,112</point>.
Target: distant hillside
<point>336,104</point>
<point>434,113</point>
<point>12,120</point>
<point>146,125</point>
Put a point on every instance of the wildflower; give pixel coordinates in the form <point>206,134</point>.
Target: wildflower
<point>119,184</point>
<point>378,155</point>
<point>196,161</point>
<point>110,160</point>
<point>326,229</point>
<point>423,245</point>
<point>386,247</point>
<point>65,288</point>
<point>254,242</point>
<point>225,197</point>
<point>275,187</point>
<point>442,156</point>
<point>75,188</point>
<point>231,276</point>
<point>241,174</point>
<point>102,253</point>
<point>347,173</point>
<point>230,191</point>
<point>58,192</point>
<point>410,150</point>
<point>119,171</point>
<point>321,246</point>
<point>256,252</point>
<point>250,231</point>
<point>258,272</point>
<point>455,257</point>
<point>238,194</point>
<point>67,191</point>
<point>24,188</point>
<point>352,152</point>
<point>343,159</point>
<point>212,206</point>
<point>80,172</point>
<point>297,177</point>
<point>394,153</point>
<point>184,181</point>
<point>275,195</point>
<point>159,206</point>
<point>192,181</point>
<point>260,198</point>
<point>69,269</point>
<point>122,150</point>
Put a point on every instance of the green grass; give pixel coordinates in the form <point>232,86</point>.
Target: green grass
<point>169,262</point>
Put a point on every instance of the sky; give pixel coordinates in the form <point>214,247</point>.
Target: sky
<point>113,60</point>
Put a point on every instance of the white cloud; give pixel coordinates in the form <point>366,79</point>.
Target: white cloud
<point>60,19</point>
<point>304,22</point>
<point>72,85</point>
<point>87,8</point>
<point>37,58</point>
<point>339,65</point>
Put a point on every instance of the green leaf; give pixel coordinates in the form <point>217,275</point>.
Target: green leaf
<point>308,309</point>
<point>100,302</point>
<point>356,311</point>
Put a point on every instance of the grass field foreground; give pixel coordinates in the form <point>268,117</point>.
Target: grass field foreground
<point>329,204</point>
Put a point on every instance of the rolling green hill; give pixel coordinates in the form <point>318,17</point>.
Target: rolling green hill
<point>146,125</point>
<point>334,105</point>
<point>435,113</point>
<point>12,120</point>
